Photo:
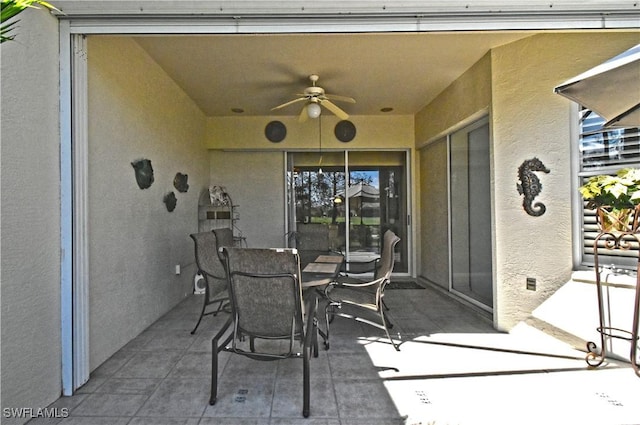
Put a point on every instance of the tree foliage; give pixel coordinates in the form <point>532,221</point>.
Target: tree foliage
<point>10,9</point>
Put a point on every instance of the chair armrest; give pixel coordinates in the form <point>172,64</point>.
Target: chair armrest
<point>206,275</point>
<point>356,284</point>
<point>359,267</point>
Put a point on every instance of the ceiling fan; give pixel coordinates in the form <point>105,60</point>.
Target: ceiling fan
<point>315,97</point>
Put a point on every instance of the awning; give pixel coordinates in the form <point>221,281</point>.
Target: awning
<point>363,190</point>
<point>611,89</point>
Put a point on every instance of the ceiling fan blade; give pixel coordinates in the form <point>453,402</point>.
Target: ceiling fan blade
<point>333,108</point>
<point>340,98</point>
<point>291,102</point>
<point>303,114</point>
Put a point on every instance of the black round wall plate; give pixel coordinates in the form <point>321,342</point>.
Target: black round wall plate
<point>345,131</point>
<point>275,131</point>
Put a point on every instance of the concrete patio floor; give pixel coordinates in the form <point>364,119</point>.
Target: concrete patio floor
<point>453,369</point>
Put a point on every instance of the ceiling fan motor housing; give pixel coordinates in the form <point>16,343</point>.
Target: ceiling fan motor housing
<point>314,91</point>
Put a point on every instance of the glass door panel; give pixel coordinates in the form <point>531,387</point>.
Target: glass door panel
<point>377,202</point>
<point>357,196</point>
<point>471,247</point>
<point>315,183</point>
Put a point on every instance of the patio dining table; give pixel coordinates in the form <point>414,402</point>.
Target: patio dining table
<point>316,276</point>
<point>321,271</point>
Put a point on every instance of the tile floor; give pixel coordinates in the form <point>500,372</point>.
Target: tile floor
<point>453,369</point>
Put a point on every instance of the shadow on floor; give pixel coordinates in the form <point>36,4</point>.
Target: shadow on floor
<point>453,369</point>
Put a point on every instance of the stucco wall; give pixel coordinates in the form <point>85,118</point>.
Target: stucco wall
<point>255,181</point>
<point>30,215</point>
<point>465,100</point>
<point>372,132</point>
<point>530,120</point>
<point>136,111</point>
<point>434,210</point>
<point>514,83</point>
<point>467,97</point>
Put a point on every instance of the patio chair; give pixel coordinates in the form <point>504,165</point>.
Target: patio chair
<point>224,238</point>
<point>351,268</point>
<point>211,268</point>
<point>267,307</point>
<point>361,267</point>
<point>311,240</point>
<point>361,295</point>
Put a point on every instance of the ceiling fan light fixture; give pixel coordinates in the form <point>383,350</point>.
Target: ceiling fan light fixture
<point>312,97</point>
<point>313,110</point>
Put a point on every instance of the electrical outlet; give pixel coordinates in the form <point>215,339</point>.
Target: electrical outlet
<point>177,268</point>
<point>531,283</point>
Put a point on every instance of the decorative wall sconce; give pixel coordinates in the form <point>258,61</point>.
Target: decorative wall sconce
<point>180,182</point>
<point>170,201</point>
<point>144,172</point>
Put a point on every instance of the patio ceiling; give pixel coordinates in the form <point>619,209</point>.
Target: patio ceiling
<point>403,71</point>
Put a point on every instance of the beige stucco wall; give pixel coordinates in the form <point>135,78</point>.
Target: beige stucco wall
<point>530,120</point>
<point>468,97</point>
<point>136,111</point>
<point>256,184</point>
<point>30,286</point>
<point>372,132</point>
<point>465,100</point>
<point>514,84</point>
<point>434,210</point>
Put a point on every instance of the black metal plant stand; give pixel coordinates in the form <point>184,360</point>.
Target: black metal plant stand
<point>622,240</point>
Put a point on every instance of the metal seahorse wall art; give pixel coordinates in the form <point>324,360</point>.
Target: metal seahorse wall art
<point>530,186</point>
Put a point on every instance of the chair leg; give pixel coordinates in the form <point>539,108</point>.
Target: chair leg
<point>214,371</point>
<point>328,316</point>
<point>220,305</point>
<point>204,307</point>
<point>323,334</point>
<point>314,342</point>
<point>306,384</point>
<point>386,329</point>
<point>215,350</point>
<point>310,339</point>
<point>385,305</point>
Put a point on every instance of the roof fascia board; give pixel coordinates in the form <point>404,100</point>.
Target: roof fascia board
<point>339,8</point>
<point>287,16</point>
<point>351,24</point>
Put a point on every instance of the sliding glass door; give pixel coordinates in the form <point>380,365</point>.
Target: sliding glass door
<point>356,196</point>
<point>470,194</point>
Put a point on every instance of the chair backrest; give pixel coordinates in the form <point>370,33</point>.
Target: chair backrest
<point>207,260</point>
<point>387,256</point>
<point>265,290</point>
<point>313,237</point>
<point>224,238</point>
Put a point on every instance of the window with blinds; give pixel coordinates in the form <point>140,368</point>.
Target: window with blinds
<point>605,151</point>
